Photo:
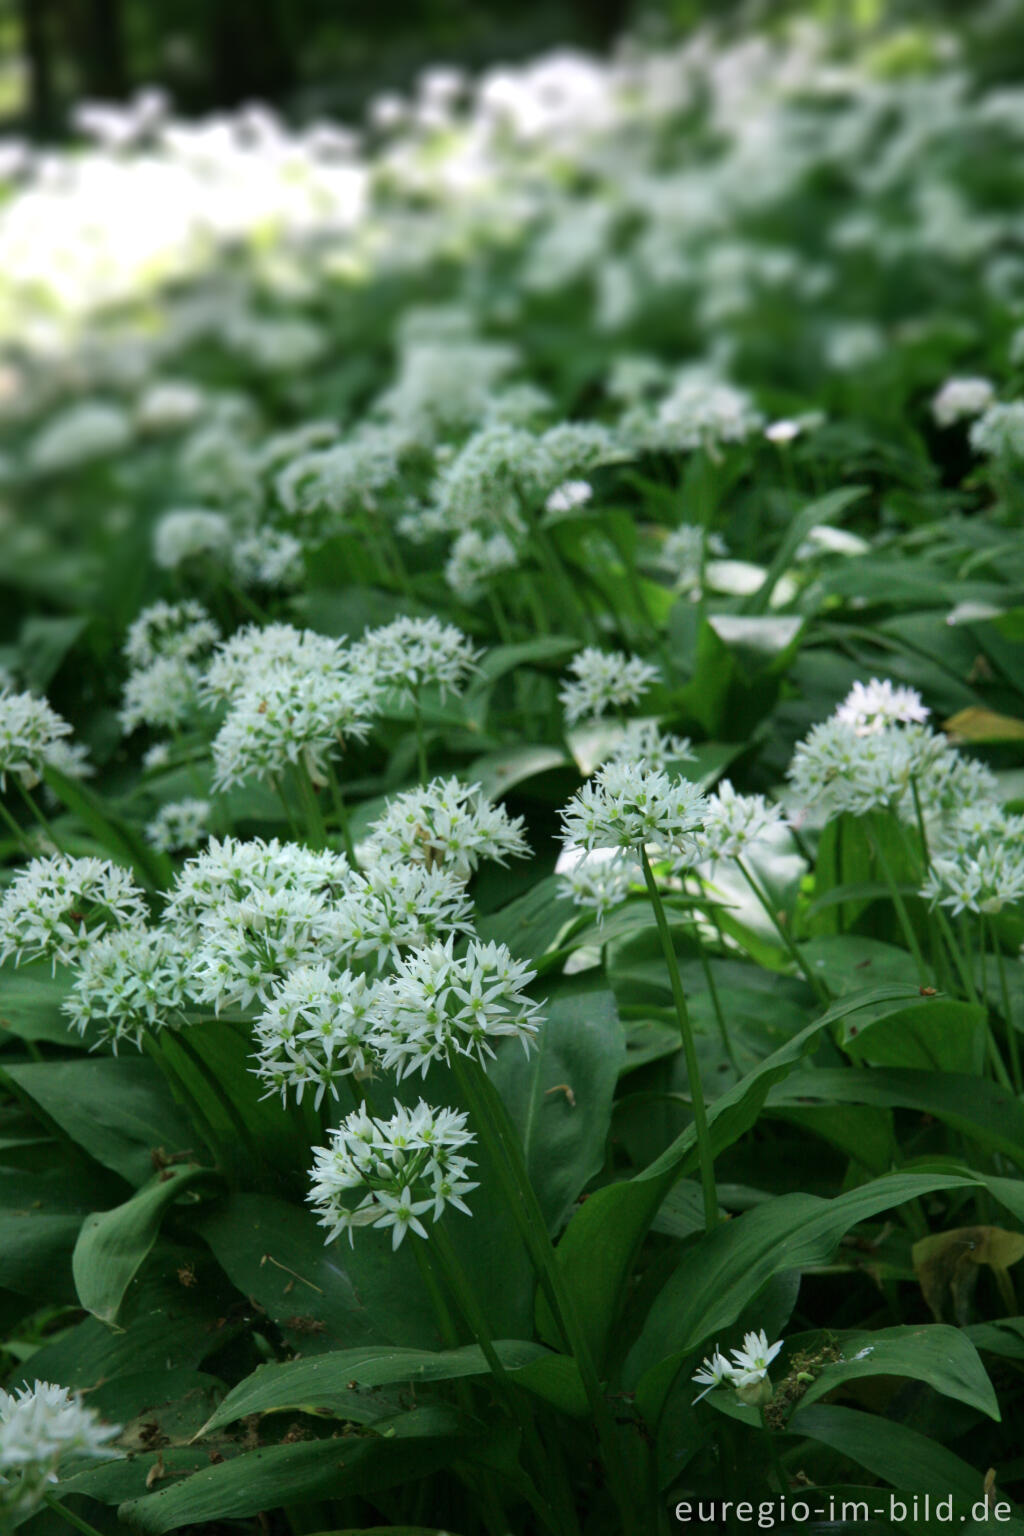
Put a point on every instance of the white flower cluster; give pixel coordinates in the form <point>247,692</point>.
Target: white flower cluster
<point>411,1167</point>
<point>59,906</point>
<point>179,824</point>
<point>643,741</point>
<point>475,559</point>
<point>127,984</point>
<point>747,1371</point>
<point>999,432</point>
<point>93,429</point>
<point>446,823</point>
<point>190,533</point>
<point>870,707</point>
<point>30,733</point>
<point>395,906</point>
<point>325,487</point>
<point>182,630</point>
<point>314,1031</point>
<point>960,399</point>
<point>632,807</point>
<point>40,1427</point>
<point>733,822</point>
<point>700,411</point>
<point>603,681</point>
<point>978,865</point>
<point>410,654</point>
<point>286,716</point>
<point>438,1004</point>
<point>599,884</point>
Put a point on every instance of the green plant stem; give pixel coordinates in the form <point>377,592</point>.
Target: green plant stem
<point>700,1119</point>
<point>38,814</point>
<point>316,832</point>
<point>465,1298</point>
<point>716,1002</point>
<point>289,817</point>
<point>341,815</point>
<point>17,832</point>
<point>73,1520</point>
<point>816,984</point>
<point>877,844</point>
<point>1011,1032</point>
<point>501,1141</point>
<point>421,744</point>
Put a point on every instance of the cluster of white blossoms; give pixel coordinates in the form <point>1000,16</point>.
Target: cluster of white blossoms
<point>475,559</point>
<point>58,906</point>
<point>411,1168</point>
<point>603,681</point>
<point>446,823</point>
<point>732,822</point>
<point>90,430</point>
<point>239,661</point>
<point>700,411</point>
<point>978,865</point>
<point>410,654</point>
<point>599,883</point>
<point>870,707</point>
<point>632,807</point>
<point>184,630</point>
<point>314,1031</point>
<point>324,488</point>
<point>999,431</point>
<point>128,984</point>
<point>438,1004</point>
<point>747,1371</point>
<point>396,906</point>
<point>961,398</point>
<point>40,1427</point>
<point>643,741</point>
<point>190,533</point>
<point>165,647</point>
<point>30,733</point>
<point>568,498</point>
<point>161,695</point>
<point>179,824</point>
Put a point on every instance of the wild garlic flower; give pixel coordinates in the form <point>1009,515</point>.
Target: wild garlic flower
<point>190,533</point>
<point>184,630</point>
<point>700,411</point>
<point>59,906</point>
<point>438,1005</point>
<point>267,557</point>
<point>92,429</point>
<point>331,484</point>
<point>960,399</point>
<point>450,823</point>
<point>313,1031</point>
<point>29,730</point>
<point>603,681</point>
<point>599,884</point>
<point>632,807</point>
<point>394,906</point>
<point>475,559</point>
<point>978,865</point>
<point>240,661</point>
<point>40,1427</point>
<point>244,948</point>
<point>999,431</point>
<point>128,984</point>
<point>180,824</point>
<point>568,498</point>
<point>230,870</point>
<point>287,716</point>
<point>412,1167</point>
<point>161,695</point>
<point>410,654</point>
<point>168,405</point>
<point>644,742</point>
<point>733,822</point>
<point>870,707</point>
<point>747,1372</point>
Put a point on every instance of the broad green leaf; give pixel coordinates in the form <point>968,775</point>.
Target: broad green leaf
<point>118,1108</point>
<point>943,1357</point>
<point>719,1274</point>
<point>826,509</point>
<point>560,1096</point>
<point>892,1451</point>
<point>332,1384</point>
<point>938,1033</point>
<point>112,1245</point>
<point>601,1241</point>
<point>288,1474</point>
<point>30,1008</point>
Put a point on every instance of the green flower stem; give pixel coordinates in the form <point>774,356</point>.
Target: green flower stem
<point>17,832</point>
<point>700,1119</point>
<point>316,832</point>
<point>816,984</point>
<point>716,1002</point>
<point>73,1520</point>
<point>38,814</point>
<point>519,1411</point>
<point>341,816</point>
<point>1011,1031</point>
<point>288,813</point>
<point>878,848</point>
<point>421,743</point>
<point>964,955</point>
<point>501,1141</point>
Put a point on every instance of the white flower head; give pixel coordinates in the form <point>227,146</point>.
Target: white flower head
<point>733,822</point>
<point>183,630</point>
<point>603,681</point>
<point>410,654</point>
<point>450,823</point>
<point>870,707</point>
<point>58,906</point>
<point>409,1169</point>
<point>190,533</point>
<point>127,984</point>
<point>29,732</point>
<point>631,807</point>
<point>40,1427</point>
<point>960,399</point>
<point>314,1030</point>
<point>179,824</point>
<point>713,1372</point>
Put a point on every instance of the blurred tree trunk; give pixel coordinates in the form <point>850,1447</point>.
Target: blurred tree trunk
<point>35,16</point>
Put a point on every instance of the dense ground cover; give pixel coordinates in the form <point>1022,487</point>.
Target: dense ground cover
<point>510,755</point>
